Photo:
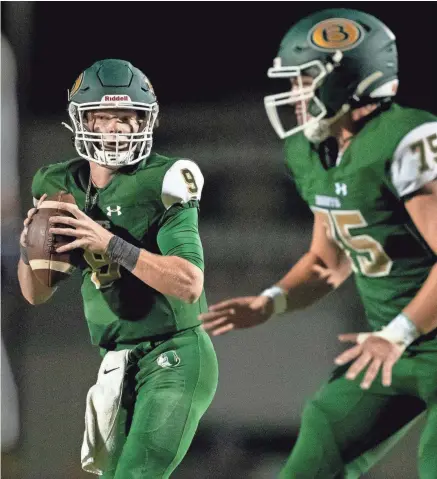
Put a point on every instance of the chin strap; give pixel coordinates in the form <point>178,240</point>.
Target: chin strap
<point>321,130</point>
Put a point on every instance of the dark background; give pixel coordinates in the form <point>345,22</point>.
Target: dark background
<point>199,51</point>
<point>207,62</point>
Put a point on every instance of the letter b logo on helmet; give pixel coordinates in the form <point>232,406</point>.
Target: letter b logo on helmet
<point>336,34</point>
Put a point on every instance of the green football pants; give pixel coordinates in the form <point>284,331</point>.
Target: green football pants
<point>345,430</point>
<point>170,384</point>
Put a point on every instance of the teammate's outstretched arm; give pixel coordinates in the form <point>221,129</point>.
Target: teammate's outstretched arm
<point>33,290</point>
<point>317,273</point>
<point>422,208</point>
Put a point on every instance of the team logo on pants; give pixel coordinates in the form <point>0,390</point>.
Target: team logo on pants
<point>168,359</point>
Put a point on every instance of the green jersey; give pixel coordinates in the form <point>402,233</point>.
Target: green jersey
<point>361,201</point>
<point>153,206</point>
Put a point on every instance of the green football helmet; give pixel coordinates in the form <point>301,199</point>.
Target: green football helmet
<point>351,60</point>
<point>113,84</point>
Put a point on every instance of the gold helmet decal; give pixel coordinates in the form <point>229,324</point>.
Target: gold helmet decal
<point>76,86</point>
<point>336,34</point>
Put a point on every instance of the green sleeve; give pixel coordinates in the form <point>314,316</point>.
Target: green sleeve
<point>179,234</point>
<point>37,185</point>
<point>50,179</point>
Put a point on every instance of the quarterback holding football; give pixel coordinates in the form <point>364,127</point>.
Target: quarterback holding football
<point>133,216</point>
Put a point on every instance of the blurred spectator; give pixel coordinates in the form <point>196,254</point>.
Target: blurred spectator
<point>10,210</point>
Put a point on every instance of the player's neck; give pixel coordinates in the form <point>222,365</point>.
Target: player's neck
<point>344,138</point>
<point>100,175</point>
<point>350,125</point>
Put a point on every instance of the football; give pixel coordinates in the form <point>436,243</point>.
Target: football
<point>48,266</point>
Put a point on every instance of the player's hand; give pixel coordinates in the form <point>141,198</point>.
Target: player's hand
<point>28,220</point>
<point>89,235</point>
<point>374,353</point>
<point>237,313</point>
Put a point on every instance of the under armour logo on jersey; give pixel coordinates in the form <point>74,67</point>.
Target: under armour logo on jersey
<point>341,189</point>
<point>115,210</point>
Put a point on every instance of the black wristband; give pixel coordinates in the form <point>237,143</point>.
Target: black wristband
<point>123,253</point>
<point>24,256</point>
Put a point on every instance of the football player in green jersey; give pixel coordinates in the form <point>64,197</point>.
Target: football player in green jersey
<point>136,223</point>
<point>367,168</point>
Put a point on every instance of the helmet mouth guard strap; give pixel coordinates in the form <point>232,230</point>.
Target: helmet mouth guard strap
<point>319,131</point>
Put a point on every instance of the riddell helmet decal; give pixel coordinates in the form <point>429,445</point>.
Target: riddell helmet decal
<point>112,98</point>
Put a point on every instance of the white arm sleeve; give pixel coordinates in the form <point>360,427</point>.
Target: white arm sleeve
<point>415,159</point>
<point>182,182</point>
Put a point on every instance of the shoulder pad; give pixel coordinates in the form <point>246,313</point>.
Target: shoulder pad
<point>182,182</point>
<point>414,160</point>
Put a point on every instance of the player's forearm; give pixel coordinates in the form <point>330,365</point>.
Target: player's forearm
<point>422,310</point>
<point>32,290</point>
<point>304,283</point>
<point>170,275</point>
